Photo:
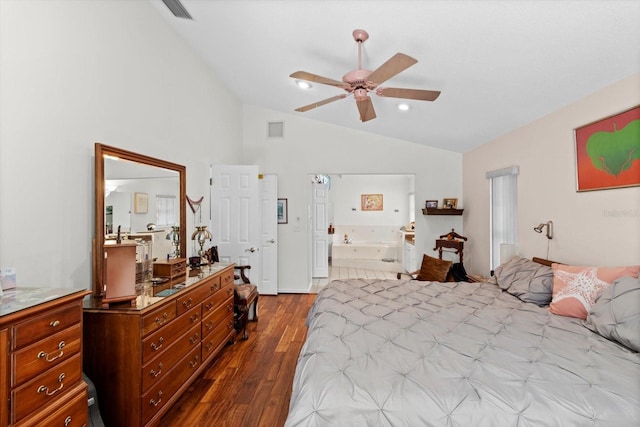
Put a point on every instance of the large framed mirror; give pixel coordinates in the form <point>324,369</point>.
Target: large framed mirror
<point>142,197</point>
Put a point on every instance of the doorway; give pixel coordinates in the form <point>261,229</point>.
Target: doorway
<point>367,239</point>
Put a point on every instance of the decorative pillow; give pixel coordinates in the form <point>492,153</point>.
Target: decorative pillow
<point>433,269</point>
<point>575,288</point>
<point>616,313</point>
<point>525,279</point>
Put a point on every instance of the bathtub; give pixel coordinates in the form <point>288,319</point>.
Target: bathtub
<point>385,250</point>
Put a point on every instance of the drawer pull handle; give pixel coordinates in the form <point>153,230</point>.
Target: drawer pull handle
<point>155,373</point>
<point>209,326</point>
<point>193,363</point>
<point>54,323</point>
<point>229,307</point>
<point>157,347</point>
<point>67,421</point>
<point>44,389</point>
<point>229,291</point>
<point>209,345</point>
<point>194,318</point>
<point>187,303</point>
<point>208,306</point>
<point>160,321</point>
<point>230,325</point>
<point>156,402</point>
<point>45,356</point>
<point>195,338</point>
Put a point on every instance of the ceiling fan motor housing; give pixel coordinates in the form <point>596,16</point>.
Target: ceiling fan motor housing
<point>360,94</point>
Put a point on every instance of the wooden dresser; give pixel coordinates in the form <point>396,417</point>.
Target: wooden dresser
<point>141,359</point>
<point>41,358</point>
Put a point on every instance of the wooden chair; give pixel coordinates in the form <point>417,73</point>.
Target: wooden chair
<point>245,296</point>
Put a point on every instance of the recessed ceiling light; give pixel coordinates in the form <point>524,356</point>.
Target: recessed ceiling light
<point>303,85</point>
<point>403,107</point>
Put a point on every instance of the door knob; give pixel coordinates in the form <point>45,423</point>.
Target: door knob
<point>252,249</point>
<point>272,241</point>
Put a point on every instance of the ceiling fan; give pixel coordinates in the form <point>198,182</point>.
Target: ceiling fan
<point>360,82</point>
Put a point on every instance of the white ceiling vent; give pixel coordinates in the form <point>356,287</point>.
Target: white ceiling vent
<point>275,130</point>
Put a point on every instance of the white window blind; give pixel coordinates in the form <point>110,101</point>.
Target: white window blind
<point>504,210</point>
<point>165,211</point>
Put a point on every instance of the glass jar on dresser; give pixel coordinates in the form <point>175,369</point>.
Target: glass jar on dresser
<point>41,358</point>
<point>142,358</point>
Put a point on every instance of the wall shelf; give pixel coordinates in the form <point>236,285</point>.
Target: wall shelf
<point>438,211</point>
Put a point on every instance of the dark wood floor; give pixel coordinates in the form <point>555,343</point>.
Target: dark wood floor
<point>249,383</point>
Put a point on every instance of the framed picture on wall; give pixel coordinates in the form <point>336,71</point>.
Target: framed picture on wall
<point>608,152</point>
<point>283,214</point>
<point>431,204</point>
<point>371,202</point>
<point>140,202</point>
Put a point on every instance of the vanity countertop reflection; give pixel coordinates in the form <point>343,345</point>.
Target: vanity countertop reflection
<point>143,302</point>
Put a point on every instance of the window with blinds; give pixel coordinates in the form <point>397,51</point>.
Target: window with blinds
<point>504,212</point>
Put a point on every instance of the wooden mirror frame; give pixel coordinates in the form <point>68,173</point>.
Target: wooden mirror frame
<point>98,242</point>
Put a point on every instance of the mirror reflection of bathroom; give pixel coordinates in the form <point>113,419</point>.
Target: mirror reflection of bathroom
<point>368,216</point>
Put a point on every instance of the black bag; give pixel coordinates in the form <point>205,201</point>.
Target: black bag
<point>458,272</point>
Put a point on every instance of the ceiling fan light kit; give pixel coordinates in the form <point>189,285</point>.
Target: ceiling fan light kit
<point>361,81</point>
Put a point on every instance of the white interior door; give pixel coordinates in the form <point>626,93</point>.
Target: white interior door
<point>320,233</point>
<point>236,216</point>
<point>269,234</point>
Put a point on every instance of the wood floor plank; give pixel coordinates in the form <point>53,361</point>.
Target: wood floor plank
<point>249,383</point>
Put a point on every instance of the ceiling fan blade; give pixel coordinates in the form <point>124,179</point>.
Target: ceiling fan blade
<point>303,75</point>
<point>419,94</point>
<point>320,103</point>
<point>366,110</point>
<point>396,64</point>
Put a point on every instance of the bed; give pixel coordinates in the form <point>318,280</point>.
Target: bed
<point>422,353</point>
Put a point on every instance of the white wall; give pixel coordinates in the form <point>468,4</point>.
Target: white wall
<point>592,228</point>
<point>345,197</point>
<point>311,147</point>
<point>77,72</point>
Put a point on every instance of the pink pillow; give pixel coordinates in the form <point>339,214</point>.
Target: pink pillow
<point>575,288</point>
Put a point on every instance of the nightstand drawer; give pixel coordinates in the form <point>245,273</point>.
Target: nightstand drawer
<point>45,389</point>
<point>42,326</point>
<point>33,360</point>
<point>73,414</point>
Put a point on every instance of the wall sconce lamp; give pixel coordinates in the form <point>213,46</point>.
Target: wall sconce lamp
<point>542,225</point>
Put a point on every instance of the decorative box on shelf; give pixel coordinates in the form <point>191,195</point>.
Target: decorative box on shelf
<point>171,268</point>
<point>441,211</point>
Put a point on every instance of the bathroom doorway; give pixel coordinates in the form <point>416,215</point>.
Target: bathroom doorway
<point>368,239</point>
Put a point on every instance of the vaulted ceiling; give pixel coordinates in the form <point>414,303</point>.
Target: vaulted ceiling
<point>499,64</point>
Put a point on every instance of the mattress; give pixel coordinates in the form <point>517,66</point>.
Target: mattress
<point>410,353</point>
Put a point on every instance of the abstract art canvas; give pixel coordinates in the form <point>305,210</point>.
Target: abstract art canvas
<point>608,152</point>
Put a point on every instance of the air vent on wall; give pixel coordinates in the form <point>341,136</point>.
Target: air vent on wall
<point>177,8</point>
<point>276,130</point>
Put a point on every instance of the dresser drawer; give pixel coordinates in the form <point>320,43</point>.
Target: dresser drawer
<point>33,360</point>
<point>222,314</point>
<point>46,388</point>
<point>157,368</point>
<point>158,318</point>
<point>174,332</point>
<point>191,299</point>
<point>217,299</point>
<point>153,401</point>
<point>32,330</point>
<point>217,338</point>
<point>226,277</point>
<point>72,413</point>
